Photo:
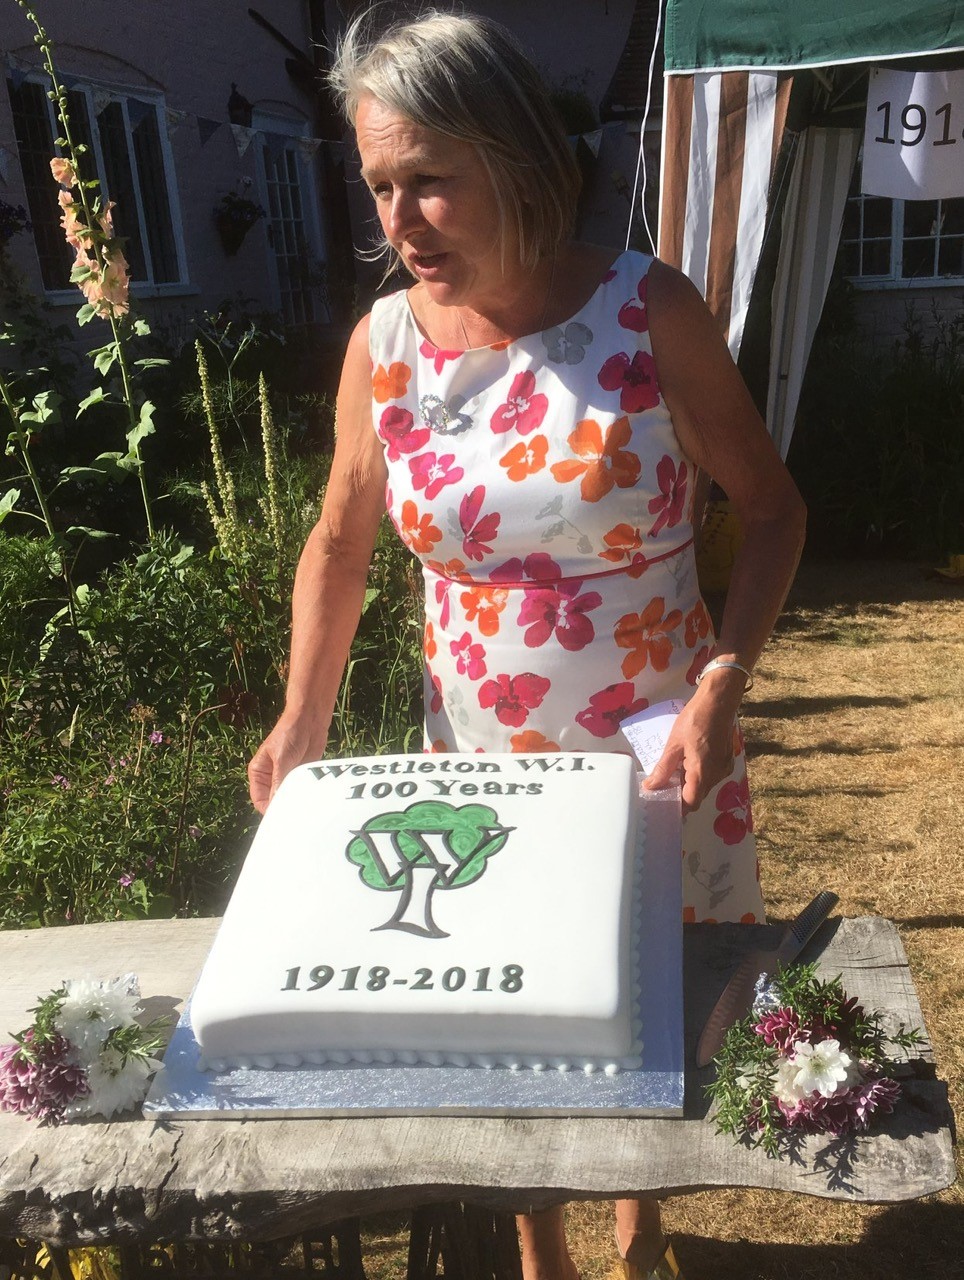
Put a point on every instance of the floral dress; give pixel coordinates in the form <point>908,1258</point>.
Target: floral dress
<point>542,486</point>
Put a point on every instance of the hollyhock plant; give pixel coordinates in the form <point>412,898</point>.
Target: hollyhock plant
<point>807,1059</point>
<point>85,1054</point>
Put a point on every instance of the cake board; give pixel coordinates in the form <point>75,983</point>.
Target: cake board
<point>180,1091</point>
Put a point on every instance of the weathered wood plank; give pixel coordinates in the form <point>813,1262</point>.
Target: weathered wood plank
<point>135,1179</point>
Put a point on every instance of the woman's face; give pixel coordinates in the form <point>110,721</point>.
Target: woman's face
<point>435,203</point>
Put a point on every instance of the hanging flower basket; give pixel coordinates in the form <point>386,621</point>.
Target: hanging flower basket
<point>234,216</point>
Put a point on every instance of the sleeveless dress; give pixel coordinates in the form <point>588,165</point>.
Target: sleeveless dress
<point>542,486</point>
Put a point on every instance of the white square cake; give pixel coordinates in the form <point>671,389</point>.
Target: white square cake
<point>473,910</point>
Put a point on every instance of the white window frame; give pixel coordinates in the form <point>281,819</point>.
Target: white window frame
<point>290,127</point>
<point>893,279</point>
<point>119,93</point>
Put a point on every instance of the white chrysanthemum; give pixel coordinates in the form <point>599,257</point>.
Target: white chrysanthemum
<point>92,1009</point>
<point>114,1088</point>
<point>822,1068</point>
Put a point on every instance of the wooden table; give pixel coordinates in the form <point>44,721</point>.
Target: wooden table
<point>136,1180</point>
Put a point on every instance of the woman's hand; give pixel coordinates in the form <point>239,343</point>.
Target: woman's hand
<point>699,751</point>
<point>293,741</point>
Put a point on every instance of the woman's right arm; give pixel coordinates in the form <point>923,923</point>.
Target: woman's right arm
<point>329,587</point>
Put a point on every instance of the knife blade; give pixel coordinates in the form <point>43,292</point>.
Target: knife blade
<point>737,997</point>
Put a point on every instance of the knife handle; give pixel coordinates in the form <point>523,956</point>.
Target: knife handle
<point>811,918</point>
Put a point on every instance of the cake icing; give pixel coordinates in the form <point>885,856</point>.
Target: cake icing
<point>471,910</point>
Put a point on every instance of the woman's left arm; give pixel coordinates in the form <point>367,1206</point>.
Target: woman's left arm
<point>721,431</point>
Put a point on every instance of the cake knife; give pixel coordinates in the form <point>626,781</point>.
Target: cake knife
<point>737,997</point>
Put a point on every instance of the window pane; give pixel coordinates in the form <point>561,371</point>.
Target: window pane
<point>950,257</point>
<point>920,217</point>
<point>851,220</point>
<point>918,259</point>
<point>850,259</point>
<point>876,258</point>
<point>35,143</point>
<point>878,215</point>
<point>953,217</point>
<point>154,198</point>
<point>120,185</point>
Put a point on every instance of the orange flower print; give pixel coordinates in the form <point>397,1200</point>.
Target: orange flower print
<point>697,624</point>
<point>391,383</point>
<point>454,569</point>
<point>431,644</point>
<point>647,636</point>
<point>417,532</point>
<point>600,460</point>
<point>531,740</point>
<point>525,458</point>
<point>483,605</point>
<point>622,540</point>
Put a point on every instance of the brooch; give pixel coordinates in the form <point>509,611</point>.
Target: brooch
<point>444,419</point>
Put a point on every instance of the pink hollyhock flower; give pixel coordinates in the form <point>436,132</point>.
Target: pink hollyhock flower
<point>667,506</point>
<point>513,696</point>
<point>609,707</point>
<point>735,820</point>
<point>72,224</point>
<point>64,172</point>
<point>632,316</point>
<point>397,428</point>
<point>539,567</point>
<point>523,409</point>
<point>470,658</point>
<point>442,586</point>
<point>635,380</point>
<point>477,532</point>
<point>561,610</point>
<point>433,473</point>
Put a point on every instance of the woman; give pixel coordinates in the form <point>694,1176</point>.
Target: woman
<point>536,410</point>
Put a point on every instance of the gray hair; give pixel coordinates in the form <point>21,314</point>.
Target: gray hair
<point>466,77</point>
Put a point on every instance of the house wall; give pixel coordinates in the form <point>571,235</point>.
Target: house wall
<point>191,53</point>
<point>882,315</point>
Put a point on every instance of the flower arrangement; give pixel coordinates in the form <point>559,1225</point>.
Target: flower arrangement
<point>85,1053</point>
<point>234,216</point>
<point>807,1059</point>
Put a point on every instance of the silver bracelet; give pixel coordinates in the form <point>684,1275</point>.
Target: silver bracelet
<point>715,664</point>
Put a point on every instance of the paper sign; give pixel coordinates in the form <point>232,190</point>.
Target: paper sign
<point>648,731</point>
<point>914,135</point>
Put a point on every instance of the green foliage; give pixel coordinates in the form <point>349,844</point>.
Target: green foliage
<point>878,451</point>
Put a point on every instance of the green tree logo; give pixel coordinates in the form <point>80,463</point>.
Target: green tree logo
<point>430,845</point>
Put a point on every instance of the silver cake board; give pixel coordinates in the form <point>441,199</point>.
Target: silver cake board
<point>180,1091</point>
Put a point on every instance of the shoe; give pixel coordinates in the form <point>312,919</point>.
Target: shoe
<point>666,1268</point>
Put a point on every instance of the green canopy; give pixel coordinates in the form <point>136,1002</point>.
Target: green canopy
<point>730,34</point>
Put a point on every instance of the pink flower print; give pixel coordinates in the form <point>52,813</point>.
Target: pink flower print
<point>432,474</point>
<point>635,381</point>
<point>470,658</point>
<point>735,820</point>
<point>436,701</point>
<point>609,707</point>
<point>632,316</point>
<point>670,500</point>
<point>395,427</point>
<point>437,355</point>
<point>523,409</point>
<point>513,696</point>
<point>558,609</point>
<point>477,532</point>
<point>539,567</point>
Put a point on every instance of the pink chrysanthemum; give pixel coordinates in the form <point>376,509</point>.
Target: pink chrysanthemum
<point>780,1028</point>
<point>42,1084</point>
